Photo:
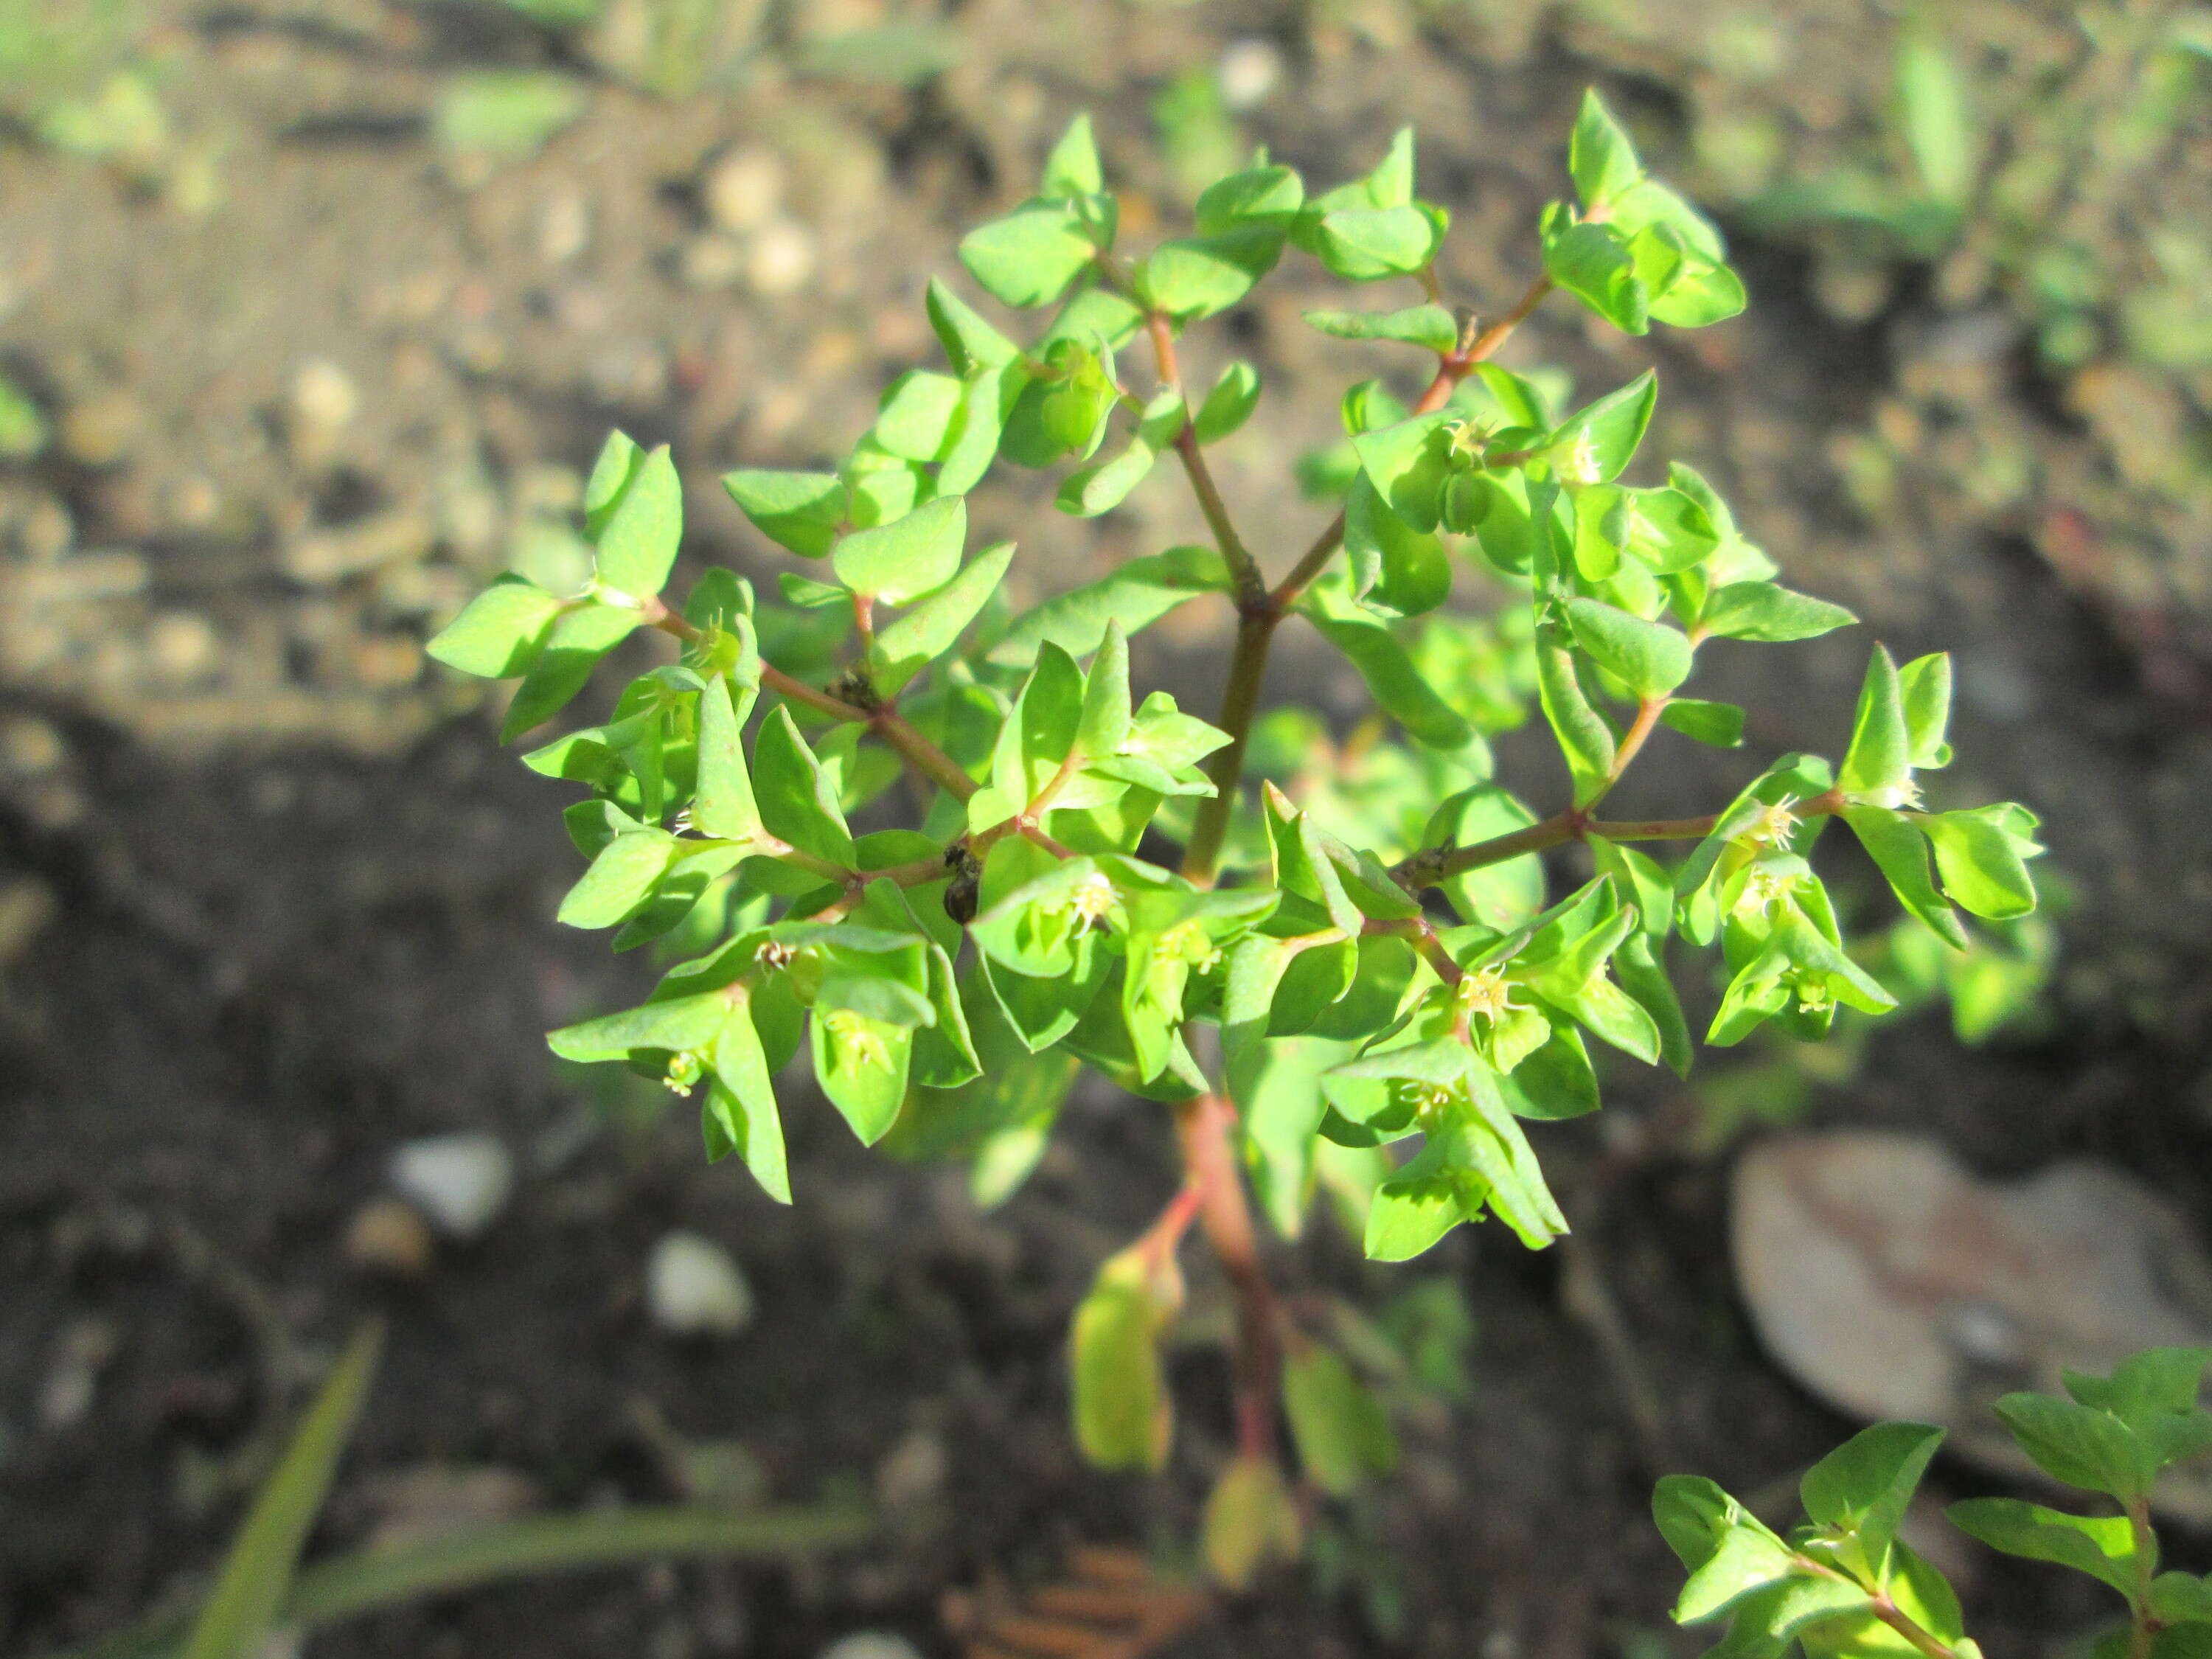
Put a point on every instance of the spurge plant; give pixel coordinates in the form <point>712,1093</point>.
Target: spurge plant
<point>1317,957</point>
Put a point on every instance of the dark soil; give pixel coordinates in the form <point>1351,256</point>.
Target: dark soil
<point>274,902</point>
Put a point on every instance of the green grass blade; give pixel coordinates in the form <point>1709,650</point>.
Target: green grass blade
<point>257,1572</point>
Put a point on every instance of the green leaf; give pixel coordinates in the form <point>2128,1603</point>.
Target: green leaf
<point>637,549</point>
<point>1925,685</point>
<point>619,459</point>
<point>501,631</point>
<point>1364,245</point>
<point>1720,724</point>
<point>1136,593</point>
<point>1861,1488</point>
<point>1103,725</point>
<point>240,1611</point>
<point>1503,895</point>
<point>1194,277</point>
<point>1395,569</point>
<point>1585,740</point>
<point>1429,325</point>
<point>1649,658</point>
<point>798,802</point>
<point>926,633</point>
<point>1981,862</point>
<point>971,345</point>
<point>860,1060</point>
<point>1124,1418</point>
<point>1408,463</point>
<point>1728,1553</point>
<point>801,511</point>
<point>1898,850</point>
<point>1761,611</point>
<point>1029,257</point>
<point>1414,1208</point>
<point>1391,678</point>
<point>2075,1443</point>
<point>1095,490</point>
<point>900,562</point>
<point>1039,733</point>
<point>1938,123</point>
<point>739,1114</point>
<point>722,806</point>
<point>1268,195</point>
<point>1599,156</point>
<point>1879,763</point>
<point>1250,1519</point>
<point>573,647</point>
<point>918,416</point>
<point>1700,297</point>
<point>621,879</point>
<point>1072,167</point>
<point>1592,263</point>
<point>1341,1431</point>
<point>1228,406</point>
<point>1596,442</point>
<point>2102,1546</point>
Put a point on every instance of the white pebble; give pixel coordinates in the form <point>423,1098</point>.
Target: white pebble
<point>871,1644</point>
<point>694,1289</point>
<point>461,1182</point>
<point>743,190</point>
<point>782,259</point>
<point>324,395</point>
<point>1248,72</point>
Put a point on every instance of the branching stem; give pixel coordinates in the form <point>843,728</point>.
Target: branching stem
<point>1260,610</point>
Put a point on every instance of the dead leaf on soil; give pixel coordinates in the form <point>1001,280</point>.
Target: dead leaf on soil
<point>1893,1283</point>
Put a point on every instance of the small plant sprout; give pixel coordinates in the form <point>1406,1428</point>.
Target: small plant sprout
<point>1317,954</point>
<point>1846,1582</point>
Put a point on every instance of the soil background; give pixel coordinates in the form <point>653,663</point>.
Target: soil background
<point>311,358</point>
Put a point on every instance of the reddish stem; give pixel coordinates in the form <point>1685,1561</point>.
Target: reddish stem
<point>1204,1126</point>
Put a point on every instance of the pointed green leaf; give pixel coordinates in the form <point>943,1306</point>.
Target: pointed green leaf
<point>1228,405</point>
<point>1072,167</point>
<point>1596,442</point>
<point>797,801</point>
<point>926,633</point>
<point>1761,611</point>
<point>1720,724</point>
<point>573,647</point>
<point>637,549</point>
<point>621,879</point>
<point>739,1114</point>
<point>501,631</point>
<point>801,511</point>
<point>899,562</point>
<point>1429,325</point>
<point>2102,1546</point>
<point>1600,156</point>
<point>1879,759</point>
<point>1651,658</point>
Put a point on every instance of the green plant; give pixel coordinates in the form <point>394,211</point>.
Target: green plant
<point>262,1588</point>
<point>1310,1014</point>
<point>1846,1582</point>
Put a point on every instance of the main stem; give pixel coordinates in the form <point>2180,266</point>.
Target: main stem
<point>1260,609</point>
<point>1205,1126</point>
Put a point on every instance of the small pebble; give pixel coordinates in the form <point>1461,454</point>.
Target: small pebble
<point>100,431</point>
<point>871,1644</point>
<point>388,1237</point>
<point>743,190</point>
<point>694,1288</point>
<point>323,395</point>
<point>914,1471</point>
<point>181,646</point>
<point>460,1182</point>
<point>782,259</point>
<point>83,1353</point>
<point>1248,72</point>
<point>564,228</point>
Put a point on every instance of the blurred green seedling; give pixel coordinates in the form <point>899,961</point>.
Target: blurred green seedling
<point>262,1591</point>
<point>1337,964</point>
<point>1845,1582</point>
